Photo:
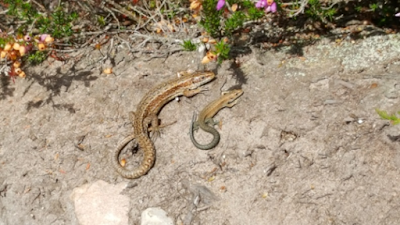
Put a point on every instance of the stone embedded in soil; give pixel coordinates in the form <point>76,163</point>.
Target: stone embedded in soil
<point>155,216</point>
<point>101,203</point>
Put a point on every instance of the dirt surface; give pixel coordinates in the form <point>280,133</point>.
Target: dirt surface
<point>304,144</point>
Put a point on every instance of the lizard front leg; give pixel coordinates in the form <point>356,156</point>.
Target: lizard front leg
<point>192,92</point>
<point>231,104</point>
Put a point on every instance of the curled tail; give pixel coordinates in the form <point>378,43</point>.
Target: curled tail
<point>147,162</point>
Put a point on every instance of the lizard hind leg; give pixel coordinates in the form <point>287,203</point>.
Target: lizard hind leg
<point>211,122</point>
<point>155,129</point>
<point>194,125</point>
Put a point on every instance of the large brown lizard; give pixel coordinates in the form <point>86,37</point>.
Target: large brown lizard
<point>146,114</point>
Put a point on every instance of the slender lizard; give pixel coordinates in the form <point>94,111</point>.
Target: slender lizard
<point>146,114</point>
<point>228,99</point>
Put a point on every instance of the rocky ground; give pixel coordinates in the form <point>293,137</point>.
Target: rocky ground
<point>304,144</point>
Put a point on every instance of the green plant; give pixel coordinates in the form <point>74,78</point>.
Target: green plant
<point>386,14</point>
<point>101,20</point>
<point>22,10</point>
<point>59,24</point>
<point>384,115</point>
<point>4,41</point>
<point>233,22</point>
<point>189,46</point>
<point>252,12</point>
<point>211,18</point>
<point>316,11</point>
<point>216,26</point>
<point>37,57</point>
<point>222,50</point>
<point>373,7</point>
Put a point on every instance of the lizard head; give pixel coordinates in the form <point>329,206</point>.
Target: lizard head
<point>232,94</point>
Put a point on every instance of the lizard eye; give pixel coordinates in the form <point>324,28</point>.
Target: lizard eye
<point>226,92</point>
<point>198,79</point>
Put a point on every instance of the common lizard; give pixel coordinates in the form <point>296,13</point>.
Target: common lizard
<point>146,114</point>
<point>228,99</point>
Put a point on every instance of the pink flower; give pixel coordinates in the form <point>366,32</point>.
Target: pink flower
<point>261,3</point>
<point>220,4</point>
<point>269,5</point>
<point>27,38</point>
<point>43,37</point>
<point>397,14</point>
<point>271,8</point>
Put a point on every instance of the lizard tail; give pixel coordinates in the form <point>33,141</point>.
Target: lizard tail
<point>208,129</point>
<point>148,158</point>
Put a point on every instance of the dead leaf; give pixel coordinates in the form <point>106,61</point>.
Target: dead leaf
<point>212,41</point>
<point>107,71</point>
<point>195,5</point>
<point>205,60</point>
<point>234,7</point>
<point>123,162</point>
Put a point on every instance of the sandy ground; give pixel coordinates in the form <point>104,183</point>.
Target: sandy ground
<point>304,144</point>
